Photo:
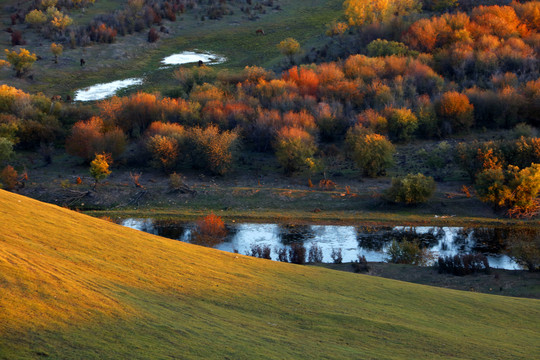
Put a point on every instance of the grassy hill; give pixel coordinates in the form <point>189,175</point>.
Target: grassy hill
<point>72,286</point>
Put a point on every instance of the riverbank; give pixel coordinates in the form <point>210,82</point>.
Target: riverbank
<point>517,283</point>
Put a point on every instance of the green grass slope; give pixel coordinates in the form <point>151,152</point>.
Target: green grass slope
<point>74,287</point>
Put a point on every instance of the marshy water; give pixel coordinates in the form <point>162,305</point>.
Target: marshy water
<point>369,241</point>
<point>106,90</point>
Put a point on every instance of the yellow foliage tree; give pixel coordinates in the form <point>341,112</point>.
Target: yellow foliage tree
<point>289,47</point>
<point>360,12</point>
<point>48,3</point>
<point>57,50</point>
<point>59,20</point>
<point>336,28</point>
<point>35,17</point>
<point>21,61</point>
<point>99,167</point>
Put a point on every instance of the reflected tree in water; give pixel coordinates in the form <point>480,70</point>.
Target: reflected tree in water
<point>524,247</point>
<point>209,231</point>
<point>290,234</point>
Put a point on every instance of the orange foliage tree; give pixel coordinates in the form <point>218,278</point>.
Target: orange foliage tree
<point>454,111</point>
<point>209,231</point>
<point>91,137</point>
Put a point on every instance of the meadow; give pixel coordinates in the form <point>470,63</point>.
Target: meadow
<point>76,286</point>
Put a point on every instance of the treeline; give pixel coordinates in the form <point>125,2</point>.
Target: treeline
<point>466,47</point>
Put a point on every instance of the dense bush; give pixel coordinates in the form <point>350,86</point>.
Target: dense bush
<point>411,189</point>
<point>8,178</point>
<point>408,252</point>
<point>455,112</point>
<point>6,149</point>
<point>382,47</point>
<point>372,153</point>
<point>513,189</point>
<point>92,137</point>
<point>402,124</point>
<point>295,149</point>
<point>164,151</point>
<point>211,149</point>
<point>361,265</point>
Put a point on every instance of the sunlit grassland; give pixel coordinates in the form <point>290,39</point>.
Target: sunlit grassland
<point>76,287</point>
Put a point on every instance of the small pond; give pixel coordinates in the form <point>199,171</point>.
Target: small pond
<point>188,57</point>
<point>370,241</point>
<point>106,90</point>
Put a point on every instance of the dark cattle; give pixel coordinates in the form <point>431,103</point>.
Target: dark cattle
<point>14,18</point>
<point>259,32</point>
<point>83,62</point>
<point>68,98</point>
<point>201,63</point>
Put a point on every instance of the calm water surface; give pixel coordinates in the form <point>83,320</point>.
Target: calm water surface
<point>370,241</point>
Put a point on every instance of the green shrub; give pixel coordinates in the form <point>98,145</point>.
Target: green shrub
<point>372,153</point>
<point>295,149</point>
<point>402,124</point>
<point>411,189</point>
<point>381,47</point>
<point>6,149</point>
<point>408,252</point>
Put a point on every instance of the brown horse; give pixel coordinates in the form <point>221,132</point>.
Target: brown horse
<point>259,32</point>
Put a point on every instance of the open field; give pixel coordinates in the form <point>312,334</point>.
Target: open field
<point>133,56</point>
<point>77,287</point>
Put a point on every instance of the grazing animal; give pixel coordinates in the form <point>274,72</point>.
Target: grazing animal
<point>260,32</point>
<point>56,98</point>
<point>68,98</point>
<point>82,62</point>
<point>14,18</point>
<point>201,63</point>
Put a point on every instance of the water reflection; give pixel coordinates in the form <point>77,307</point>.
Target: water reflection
<point>369,241</point>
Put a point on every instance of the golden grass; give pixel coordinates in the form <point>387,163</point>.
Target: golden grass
<point>72,286</point>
